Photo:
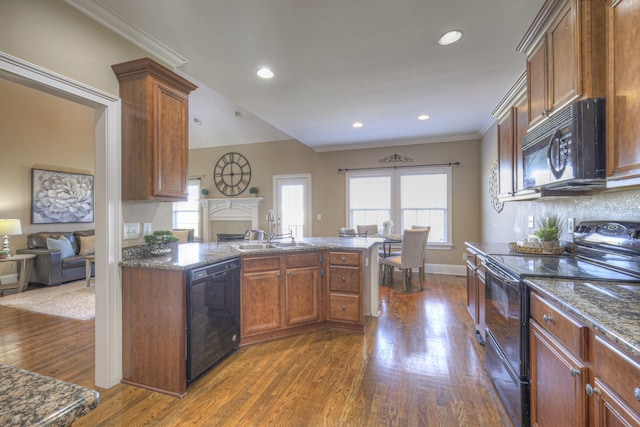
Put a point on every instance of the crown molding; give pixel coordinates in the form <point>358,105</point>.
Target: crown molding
<point>119,25</point>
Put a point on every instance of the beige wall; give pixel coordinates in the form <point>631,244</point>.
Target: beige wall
<point>329,197</point>
<point>511,224</point>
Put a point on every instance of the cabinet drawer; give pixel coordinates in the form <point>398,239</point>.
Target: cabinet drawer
<point>344,307</point>
<point>619,371</point>
<point>344,279</point>
<point>570,332</point>
<point>262,263</point>
<point>345,258</point>
<point>303,260</point>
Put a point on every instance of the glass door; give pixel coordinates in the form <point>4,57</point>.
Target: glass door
<point>293,204</point>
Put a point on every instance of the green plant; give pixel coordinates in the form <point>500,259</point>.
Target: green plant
<point>4,252</point>
<point>253,190</point>
<point>204,192</point>
<point>549,228</point>
<point>159,238</point>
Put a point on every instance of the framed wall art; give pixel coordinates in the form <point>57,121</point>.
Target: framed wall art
<point>61,197</point>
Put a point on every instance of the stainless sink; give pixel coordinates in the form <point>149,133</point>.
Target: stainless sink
<point>292,244</point>
<point>255,246</point>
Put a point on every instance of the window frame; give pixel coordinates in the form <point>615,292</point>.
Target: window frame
<point>197,229</point>
<point>395,175</point>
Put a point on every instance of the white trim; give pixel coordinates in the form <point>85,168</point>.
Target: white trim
<point>119,25</point>
<point>455,270</point>
<point>108,205</point>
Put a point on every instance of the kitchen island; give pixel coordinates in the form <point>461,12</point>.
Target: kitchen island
<point>285,289</point>
<point>28,398</point>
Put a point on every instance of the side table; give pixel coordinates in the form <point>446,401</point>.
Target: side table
<point>25,264</point>
<point>89,260</point>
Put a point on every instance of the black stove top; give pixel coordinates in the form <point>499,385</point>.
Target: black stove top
<point>605,251</point>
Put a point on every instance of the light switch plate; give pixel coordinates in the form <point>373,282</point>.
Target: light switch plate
<point>131,230</point>
<point>146,228</point>
<point>531,221</point>
<point>571,224</point>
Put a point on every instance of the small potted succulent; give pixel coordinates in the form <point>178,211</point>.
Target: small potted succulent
<point>158,242</point>
<point>204,193</point>
<point>253,191</point>
<point>549,231</point>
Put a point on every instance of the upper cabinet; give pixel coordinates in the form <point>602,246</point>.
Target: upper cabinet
<point>565,56</point>
<point>623,93</point>
<point>155,131</point>
<point>512,127</point>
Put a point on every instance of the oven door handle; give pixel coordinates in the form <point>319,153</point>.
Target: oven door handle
<point>500,275</point>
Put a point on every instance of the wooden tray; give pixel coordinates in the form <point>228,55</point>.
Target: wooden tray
<point>536,251</point>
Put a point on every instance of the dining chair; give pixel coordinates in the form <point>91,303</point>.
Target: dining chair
<point>350,232</point>
<point>423,227</point>
<point>412,255</point>
<point>370,230</point>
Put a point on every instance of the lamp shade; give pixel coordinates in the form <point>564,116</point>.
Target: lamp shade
<point>10,227</point>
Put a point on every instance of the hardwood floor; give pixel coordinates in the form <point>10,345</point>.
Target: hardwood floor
<point>418,364</point>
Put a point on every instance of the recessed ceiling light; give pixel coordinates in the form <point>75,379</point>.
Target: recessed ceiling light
<point>357,124</point>
<point>265,73</point>
<point>450,37</point>
<point>423,117</point>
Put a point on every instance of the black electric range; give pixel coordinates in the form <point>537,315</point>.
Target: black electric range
<point>606,251</point>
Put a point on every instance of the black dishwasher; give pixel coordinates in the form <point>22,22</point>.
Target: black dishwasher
<point>213,315</point>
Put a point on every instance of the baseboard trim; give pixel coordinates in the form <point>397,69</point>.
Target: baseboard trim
<point>455,270</point>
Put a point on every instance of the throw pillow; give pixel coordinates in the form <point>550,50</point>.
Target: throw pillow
<point>63,244</point>
<point>87,245</point>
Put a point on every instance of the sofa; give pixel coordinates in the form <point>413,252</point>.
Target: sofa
<point>54,266</point>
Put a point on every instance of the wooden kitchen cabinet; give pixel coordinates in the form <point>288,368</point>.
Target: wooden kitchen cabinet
<point>615,390</point>
<point>558,348</point>
<point>280,295</point>
<point>154,305</point>
<point>155,131</point>
<point>623,98</point>
<point>565,50</point>
<point>303,287</point>
<point>512,127</point>
<point>345,290</point>
<point>475,292</point>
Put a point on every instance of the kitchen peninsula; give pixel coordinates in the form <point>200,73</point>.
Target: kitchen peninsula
<point>285,288</point>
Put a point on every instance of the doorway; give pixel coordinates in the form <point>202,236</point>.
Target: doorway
<point>107,205</point>
<point>292,204</point>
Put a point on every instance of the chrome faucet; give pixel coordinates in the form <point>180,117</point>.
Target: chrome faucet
<point>271,225</point>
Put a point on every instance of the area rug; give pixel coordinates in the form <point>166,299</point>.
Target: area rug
<point>74,300</point>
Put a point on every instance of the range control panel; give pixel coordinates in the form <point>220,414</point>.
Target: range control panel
<point>613,234</point>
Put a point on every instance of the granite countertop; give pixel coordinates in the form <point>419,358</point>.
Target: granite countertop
<point>27,398</point>
<point>192,255</point>
<point>611,308</point>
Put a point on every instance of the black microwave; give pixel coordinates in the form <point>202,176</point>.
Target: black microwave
<point>567,151</point>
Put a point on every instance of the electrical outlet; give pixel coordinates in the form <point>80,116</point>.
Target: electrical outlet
<point>464,256</point>
<point>571,225</point>
<point>531,221</point>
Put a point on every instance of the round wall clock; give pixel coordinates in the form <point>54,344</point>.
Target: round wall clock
<point>232,174</point>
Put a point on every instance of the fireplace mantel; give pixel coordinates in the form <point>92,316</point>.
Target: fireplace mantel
<point>229,209</point>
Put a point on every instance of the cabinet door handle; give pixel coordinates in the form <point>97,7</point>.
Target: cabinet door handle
<point>344,259</point>
<point>574,372</point>
<point>278,274</point>
<point>344,279</point>
<point>546,318</point>
<point>288,273</point>
<point>636,393</point>
<point>344,308</point>
<point>591,390</point>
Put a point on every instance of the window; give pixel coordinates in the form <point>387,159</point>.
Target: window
<point>407,196</point>
<point>187,214</point>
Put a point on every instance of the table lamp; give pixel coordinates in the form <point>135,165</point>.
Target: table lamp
<point>9,227</point>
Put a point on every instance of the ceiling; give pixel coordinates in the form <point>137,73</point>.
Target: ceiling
<point>335,62</point>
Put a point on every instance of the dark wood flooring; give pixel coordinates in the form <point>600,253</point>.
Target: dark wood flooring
<point>418,364</point>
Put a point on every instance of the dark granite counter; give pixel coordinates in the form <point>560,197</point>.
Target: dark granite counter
<point>611,308</point>
<point>30,399</point>
<point>192,255</point>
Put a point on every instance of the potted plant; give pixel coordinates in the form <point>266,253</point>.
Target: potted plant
<point>158,242</point>
<point>549,231</point>
<point>387,225</point>
<point>253,191</point>
<point>204,193</point>
<point>5,253</point>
